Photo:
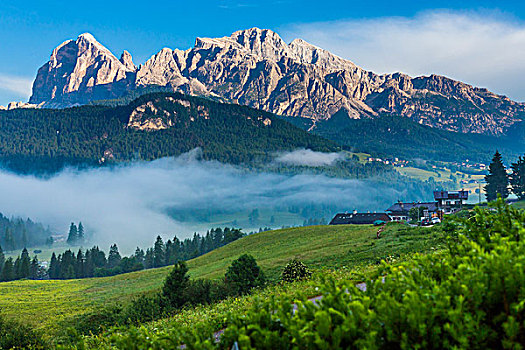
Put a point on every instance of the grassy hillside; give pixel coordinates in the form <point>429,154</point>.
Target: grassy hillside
<point>520,204</point>
<point>43,303</point>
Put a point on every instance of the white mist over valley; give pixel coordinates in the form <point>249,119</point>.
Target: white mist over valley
<point>131,204</point>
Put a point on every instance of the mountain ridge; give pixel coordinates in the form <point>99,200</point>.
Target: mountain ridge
<point>257,68</point>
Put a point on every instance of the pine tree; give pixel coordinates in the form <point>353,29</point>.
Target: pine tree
<point>148,259</point>
<point>72,237</point>
<point>517,178</point>
<point>139,255</point>
<point>113,256</point>
<point>80,235</point>
<point>80,268</point>
<point>25,265</point>
<point>497,179</point>
<point>89,265</point>
<point>158,253</point>
<point>16,268</point>
<point>34,272</point>
<point>175,285</point>
<point>67,265</point>
<point>8,272</point>
<point>54,268</point>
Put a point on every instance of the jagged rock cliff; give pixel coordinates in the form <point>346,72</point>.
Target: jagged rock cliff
<point>257,68</point>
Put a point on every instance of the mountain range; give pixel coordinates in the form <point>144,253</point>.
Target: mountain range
<point>257,68</point>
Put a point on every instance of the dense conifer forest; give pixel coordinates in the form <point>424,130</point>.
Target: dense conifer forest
<point>17,233</point>
<point>396,136</point>
<point>45,140</point>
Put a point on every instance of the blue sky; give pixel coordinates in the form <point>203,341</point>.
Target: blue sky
<point>480,42</point>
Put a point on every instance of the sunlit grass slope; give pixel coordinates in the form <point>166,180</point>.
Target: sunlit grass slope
<point>43,303</point>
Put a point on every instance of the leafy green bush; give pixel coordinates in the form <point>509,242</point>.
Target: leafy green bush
<point>14,335</point>
<point>96,321</point>
<point>295,271</point>
<point>244,274</point>
<point>470,296</point>
<point>175,285</point>
<point>144,308</point>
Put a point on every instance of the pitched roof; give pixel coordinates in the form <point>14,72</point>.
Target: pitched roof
<point>405,207</point>
<point>359,218</point>
<point>450,195</point>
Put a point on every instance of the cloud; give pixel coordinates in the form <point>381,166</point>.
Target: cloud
<point>18,85</point>
<point>308,157</point>
<point>129,204</point>
<point>483,49</point>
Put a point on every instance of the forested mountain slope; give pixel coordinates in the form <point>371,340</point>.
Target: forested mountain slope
<point>150,127</point>
<point>394,136</point>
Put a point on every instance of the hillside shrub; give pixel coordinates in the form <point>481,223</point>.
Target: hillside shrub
<point>175,285</point>
<point>470,296</point>
<point>295,270</point>
<point>244,274</point>
<point>144,308</point>
<point>15,335</point>
<point>95,321</point>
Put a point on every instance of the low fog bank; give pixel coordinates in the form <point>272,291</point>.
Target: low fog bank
<point>308,157</point>
<point>128,204</point>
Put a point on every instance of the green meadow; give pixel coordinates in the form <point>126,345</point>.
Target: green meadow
<point>46,304</point>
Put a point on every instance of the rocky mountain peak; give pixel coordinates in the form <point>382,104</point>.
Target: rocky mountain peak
<point>256,67</point>
<point>77,67</point>
<point>127,61</point>
<point>262,42</point>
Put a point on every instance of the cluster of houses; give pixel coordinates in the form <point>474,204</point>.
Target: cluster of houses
<point>394,161</point>
<point>445,202</point>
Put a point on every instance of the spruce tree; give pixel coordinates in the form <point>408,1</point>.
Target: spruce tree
<point>89,264</point>
<point>16,268</point>
<point>80,267</point>
<point>517,178</point>
<point>148,259</point>
<point>497,179</point>
<point>35,269</point>
<point>80,235</point>
<point>113,256</point>
<point>139,255</point>
<point>158,253</point>
<point>67,265</point>
<point>54,268</point>
<point>25,265</point>
<point>8,272</point>
<point>72,237</point>
<point>175,285</point>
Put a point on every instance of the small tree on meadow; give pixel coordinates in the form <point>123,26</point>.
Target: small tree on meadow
<point>244,274</point>
<point>175,285</point>
<point>295,271</point>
